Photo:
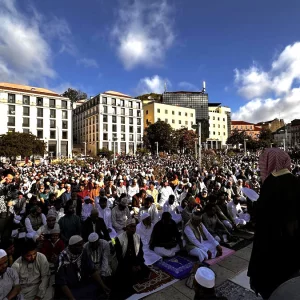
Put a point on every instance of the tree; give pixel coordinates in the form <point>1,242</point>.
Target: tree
<point>186,140</point>
<point>237,137</point>
<point>162,133</point>
<point>151,96</point>
<point>74,95</point>
<point>13,144</point>
<point>266,137</point>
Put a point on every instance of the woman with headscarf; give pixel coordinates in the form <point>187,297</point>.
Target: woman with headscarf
<point>276,247</point>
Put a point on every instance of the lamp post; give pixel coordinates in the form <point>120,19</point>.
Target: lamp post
<point>58,142</point>
<point>156,148</point>
<point>84,150</point>
<point>245,146</point>
<point>272,145</point>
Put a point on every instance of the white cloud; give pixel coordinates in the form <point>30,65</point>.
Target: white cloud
<point>188,86</point>
<point>143,32</point>
<point>154,84</point>
<point>274,93</point>
<point>88,62</point>
<point>24,53</point>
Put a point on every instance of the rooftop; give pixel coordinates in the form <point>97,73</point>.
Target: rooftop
<point>214,104</point>
<point>268,122</point>
<point>27,89</point>
<point>241,123</point>
<point>117,94</point>
<point>184,92</point>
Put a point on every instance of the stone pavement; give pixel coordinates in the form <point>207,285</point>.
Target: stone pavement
<point>226,269</point>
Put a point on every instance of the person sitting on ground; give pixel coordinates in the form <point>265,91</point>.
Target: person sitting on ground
<point>171,207</point>
<point>144,230</point>
<point>8,246</point>
<point>99,251</point>
<point>236,212</point>
<point>199,242</point>
<point>131,267</point>
<point>188,210</point>
<point>213,224</point>
<point>9,279</point>
<point>69,224</point>
<point>119,215</point>
<point>165,239</point>
<point>105,213</point>
<point>35,220</point>
<point>138,200</point>
<point>95,224</point>
<point>150,208</point>
<point>204,285</point>
<point>223,213</point>
<point>75,271</point>
<point>33,270</point>
<point>152,191</point>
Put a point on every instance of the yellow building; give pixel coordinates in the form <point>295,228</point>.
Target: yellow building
<point>219,125</point>
<point>177,116</point>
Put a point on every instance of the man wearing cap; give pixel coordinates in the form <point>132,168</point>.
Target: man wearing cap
<point>204,285</point>
<point>9,279</point>
<point>121,188</point>
<point>66,195</point>
<point>99,251</point>
<point>87,208</point>
<point>131,267</point>
<point>199,242</point>
<point>133,189</point>
<point>165,193</point>
<point>119,215</point>
<point>33,270</point>
<point>152,191</point>
<point>74,272</point>
<point>150,208</point>
<point>188,210</point>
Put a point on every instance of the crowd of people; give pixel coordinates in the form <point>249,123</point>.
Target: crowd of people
<point>92,231</point>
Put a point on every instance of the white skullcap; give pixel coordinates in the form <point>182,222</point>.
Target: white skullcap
<point>75,239</point>
<point>205,277</point>
<point>54,231</point>
<point>145,216</point>
<point>51,214</point>
<point>130,221</point>
<point>29,195</point>
<point>2,253</point>
<point>93,237</point>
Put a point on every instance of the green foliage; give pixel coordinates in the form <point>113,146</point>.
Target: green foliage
<point>13,144</point>
<point>142,151</point>
<point>237,137</point>
<point>186,140</point>
<point>105,152</point>
<point>151,96</point>
<point>266,137</point>
<point>74,95</point>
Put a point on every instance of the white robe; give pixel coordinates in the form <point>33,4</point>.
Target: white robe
<point>145,233</point>
<point>172,210</point>
<point>105,214</point>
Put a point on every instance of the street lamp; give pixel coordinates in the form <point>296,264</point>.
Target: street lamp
<point>245,146</point>
<point>84,150</point>
<point>156,148</point>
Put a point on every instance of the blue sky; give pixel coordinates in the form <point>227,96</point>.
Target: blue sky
<point>248,52</point>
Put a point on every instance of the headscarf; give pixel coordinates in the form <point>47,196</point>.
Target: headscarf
<point>273,159</point>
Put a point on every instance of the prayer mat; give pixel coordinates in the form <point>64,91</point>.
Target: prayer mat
<point>226,252</point>
<point>244,234</point>
<point>179,267</point>
<point>239,244</point>
<point>157,278</point>
<point>235,292</point>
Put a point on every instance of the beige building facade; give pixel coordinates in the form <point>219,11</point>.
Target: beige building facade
<point>178,117</point>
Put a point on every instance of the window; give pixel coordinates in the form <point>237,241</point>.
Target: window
<point>130,104</point>
<point>26,122</point>
<point>214,133</point>
<point>104,118</point>
<point>65,114</point>
<point>64,104</point>
<point>122,120</point>
<point>122,137</point>
<point>179,113</point>
<point>105,127</point>
<point>138,105</point>
<point>25,130</point>
<point>138,113</point>
<point>11,121</point>
<point>52,123</point>
<point>39,101</point>
<point>105,109</point>
<point>65,135</point>
<point>122,111</point>
<point>147,112</point>
<point>185,114</point>
<point>131,112</point>
<point>104,100</point>
<point>158,119</point>
<point>130,120</point>
<point>11,98</point>
<point>219,133</point>
<point>224,133</point>
<point>122,102</point>
<point>158,110</point>
<point>173,121</point>
<point>52,134</point>
<point>213,118</point>
<point>130,129</point>
<point>224,119</point>
<point>192,114</point>
<point>113,102</point>
<point>214,125</point>
<point>123,128</point>
<point>39,123</point>
<point>166,120</point>
<point>218,119</point>
<point>114,110</point>
<point>64,124</point>
<point>52,113</point>
<point>114,119</point>
<point>186,122</point>
<point>52,103</point>
<point>130,137</point>
<point>40,112</point>
<point>179,121</point>
<point>139,121</point>
<point>114,128</point>
<point>219,126</point>
<point>166,111</point>
<point>11,109</point>
<point>26,100</point>
<point>173,112</point>
<point>105,136</point>
<point>139,129</point>
<point>223,126</point>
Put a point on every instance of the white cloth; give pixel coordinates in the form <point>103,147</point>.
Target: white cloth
<point>161,251</point>
<point>119,218</point>
<point>165,192</point>
<point>237,214</point>
<point>152,211</point>
<point>132,190</point>
<point>86,211</point>
<point>105,214</point>
<point>145,233</point>
<point>172,210</point>
<point>29,226</point>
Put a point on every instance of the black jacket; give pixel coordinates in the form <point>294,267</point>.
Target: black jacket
<point>100,229</point>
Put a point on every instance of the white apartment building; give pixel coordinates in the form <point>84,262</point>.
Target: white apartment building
<point>219,125</point>
<point>177,116</point>
<point>109,120</point>
<point>42,112</point>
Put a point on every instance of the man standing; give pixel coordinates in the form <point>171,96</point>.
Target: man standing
<point>9,279</point>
